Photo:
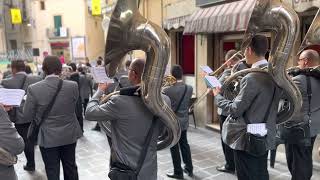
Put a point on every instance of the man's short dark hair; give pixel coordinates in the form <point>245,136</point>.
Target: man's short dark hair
<point>99,62</point>
<point>73,66</point>
<point>259,45</point>
<point>18,65</point>
<point>177,72</point>
<point>138,66</point>
<point>229,54</point>
<point>52,65</point>
<point>80,69</point>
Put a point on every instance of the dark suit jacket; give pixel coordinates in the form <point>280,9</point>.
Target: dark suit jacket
<point>15,82</point>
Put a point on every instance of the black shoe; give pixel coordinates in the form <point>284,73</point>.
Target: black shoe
<point>29,168</point>
<point>175,176</point>
<point>190,173</point>
<point>224,169</point>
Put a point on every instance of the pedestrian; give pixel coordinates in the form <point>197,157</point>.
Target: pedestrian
<point>75,76</point>
<point>299,151</point>
<point>254,104</point>
<point>11,141</point>
<point>180,95</point>
<point>132,124</point>
<point>59,128</point>
<point>86,90</point>
<point>20,80</point>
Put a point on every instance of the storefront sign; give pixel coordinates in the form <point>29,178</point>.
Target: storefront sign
<point>303,5</point>
<point>16,16</point>
<point>78,47</point>
<point>96,7</point>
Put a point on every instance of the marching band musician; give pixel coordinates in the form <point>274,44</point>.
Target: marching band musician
<point>11,141</point>
<point>229,166</point>
<point>131,123</point>
<point>180,95</point>
<point>299,156</point>
<point>251,106</point>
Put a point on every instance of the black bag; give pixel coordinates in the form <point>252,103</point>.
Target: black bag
<point>257,145</point>
<point>120,171</point>
<point>13,112</point>
<point>298,133</point>
<point>33,130</point>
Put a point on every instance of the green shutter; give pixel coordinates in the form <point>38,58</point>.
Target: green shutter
<point>57,25</point>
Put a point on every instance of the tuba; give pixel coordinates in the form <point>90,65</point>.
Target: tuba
<point>284,22</point>
<point>128,30</point>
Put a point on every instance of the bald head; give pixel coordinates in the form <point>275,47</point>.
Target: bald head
<point>311,56</point>
<point>135,71</point>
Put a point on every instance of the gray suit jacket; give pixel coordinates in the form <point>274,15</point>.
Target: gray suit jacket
<point>61,127</point>
<point>15,82</point>
<point>130,123</point>
<point>226,73</point>
<point>175,93</point>
<point>301,82</point>
<point>252,103</point>
<point>11,141</point>
<point>86,86</point>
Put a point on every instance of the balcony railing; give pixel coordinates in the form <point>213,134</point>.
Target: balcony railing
<point>58,33</point>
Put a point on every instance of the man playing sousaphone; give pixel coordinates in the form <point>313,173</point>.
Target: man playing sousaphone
<point>299,148</point>
<point>254,108</point>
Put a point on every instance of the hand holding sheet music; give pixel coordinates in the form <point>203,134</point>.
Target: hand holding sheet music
<point>11,97</point>
<point>100,76</point>
<point>257,129</point>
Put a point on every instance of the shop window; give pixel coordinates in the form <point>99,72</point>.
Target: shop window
<point>186,53</point>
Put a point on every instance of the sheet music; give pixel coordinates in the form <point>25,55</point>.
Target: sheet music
<point>11,97</point>
<point>100,76</point>
<point>206,69</point>
<point>258,129</point>
<point>212,81</point>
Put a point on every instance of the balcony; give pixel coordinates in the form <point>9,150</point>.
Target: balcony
<point>58,33</point>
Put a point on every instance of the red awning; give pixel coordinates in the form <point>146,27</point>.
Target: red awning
<point>227,17</point>
<point>59,44</point>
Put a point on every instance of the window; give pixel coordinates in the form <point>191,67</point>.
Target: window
<point>57,25</point>
<point>42,5</point>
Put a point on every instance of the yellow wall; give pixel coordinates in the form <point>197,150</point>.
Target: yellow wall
<point>75,17</point>
<point>2,41</point>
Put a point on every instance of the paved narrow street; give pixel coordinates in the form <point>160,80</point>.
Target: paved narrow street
<point>93,158</point>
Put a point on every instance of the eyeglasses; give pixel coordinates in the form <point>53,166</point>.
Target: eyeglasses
<point>304,58</point>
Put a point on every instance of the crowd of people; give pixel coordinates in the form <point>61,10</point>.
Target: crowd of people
<point>60,99</point>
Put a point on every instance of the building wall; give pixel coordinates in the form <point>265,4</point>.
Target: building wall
<point>77,20</point>
<point>2,40</point>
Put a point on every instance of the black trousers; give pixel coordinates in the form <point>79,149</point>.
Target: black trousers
<point>299,160</point>
<point>29,145</point>
<point>185,152</point>
<point>227,151</point>
<point>52,157</point>
<point>84,104</point>
<point>249,167</point>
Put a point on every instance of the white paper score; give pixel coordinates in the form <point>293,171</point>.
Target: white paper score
<point>212,81</point>
<point>258,129</point>
<point>11,97</point>
<point>100,76</point>
<point>206,69</point>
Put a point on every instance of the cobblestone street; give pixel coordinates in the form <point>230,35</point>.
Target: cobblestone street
<point>93,156</point>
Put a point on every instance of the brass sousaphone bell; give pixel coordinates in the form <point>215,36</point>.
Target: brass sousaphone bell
<point>128,30</point>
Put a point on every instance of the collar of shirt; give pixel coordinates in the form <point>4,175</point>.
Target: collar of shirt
<point>52,75</point>
<point>258,63</point>
<point>22,72</point>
